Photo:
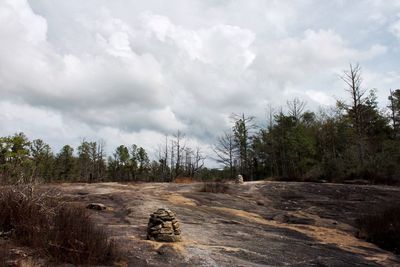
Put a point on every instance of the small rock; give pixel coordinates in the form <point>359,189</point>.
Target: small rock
<point>96,206</point>
<point>260,203</point>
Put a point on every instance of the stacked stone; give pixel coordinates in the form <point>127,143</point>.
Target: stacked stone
<point>163,226</point>
<point>239,179</point>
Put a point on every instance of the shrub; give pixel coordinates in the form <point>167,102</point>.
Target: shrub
<point>184,180</point>
<point>382,228</point>
<point>215,187</point>
<point>77,239</point>
<point>26,214</point>
<point>41,220</point>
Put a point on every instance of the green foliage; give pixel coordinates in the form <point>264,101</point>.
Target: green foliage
<point>65,167</point>
<point>43,159</point>
<point>24,161</point>
<point>16,164</point>
<point>355,140</point>
<point>242,139</point>
<point>130,164</point>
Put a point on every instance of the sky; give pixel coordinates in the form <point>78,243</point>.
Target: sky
<point>131,72</point>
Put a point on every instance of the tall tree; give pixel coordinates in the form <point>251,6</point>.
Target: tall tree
<point>243,125</point>
<point>394,107</point>
<point>43,159</point>
<point>66,164</point>
<point>120,164</point>
<point>100,163</point>
<point>85,161</point>
<point>225,150</point>
<point>143,161</point>
<point>14,156</point>
<point>133,161</point>
<point>179,146</point>
<point>296,108</point>
<point>353,80</point>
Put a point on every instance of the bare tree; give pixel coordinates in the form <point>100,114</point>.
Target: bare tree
<point>296,108</point>
<point>353,80</point>
<point>100,172</point>
<point>394,107</point>
<point>179,147</point>
<point>163,159</point>
<point>225,150</point>
<point>271,113</point>
<point>194,161</point>
<point>172,158</point>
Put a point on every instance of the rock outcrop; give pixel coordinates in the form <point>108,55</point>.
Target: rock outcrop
<point>163,226</point>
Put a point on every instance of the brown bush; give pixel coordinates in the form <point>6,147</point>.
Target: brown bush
<point>185,180</point>
<point>77,239</point>
<point>26,214</point>
<point>41,220</point>
<point>382,228</point>
<point>215,187</point>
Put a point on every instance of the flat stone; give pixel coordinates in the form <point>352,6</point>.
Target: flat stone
<point>166,231</point>
<point>166,218</point>
<point>177,232</point>
<point>167,224</point>
<point>155,228</point>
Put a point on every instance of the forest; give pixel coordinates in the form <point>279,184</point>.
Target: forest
<point>355,140</point>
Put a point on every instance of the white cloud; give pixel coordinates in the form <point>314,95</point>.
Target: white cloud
<point>217,45</point>
<point>130,72</point>
<point>17,15</point>
<point>320,97</point>
<point>394,28</point>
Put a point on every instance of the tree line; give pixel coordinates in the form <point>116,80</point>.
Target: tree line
<point>353,140</point>
<point>22,161</point>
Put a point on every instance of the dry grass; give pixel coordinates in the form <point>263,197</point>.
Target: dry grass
<point>382,228</point>
<point>215,187</point>
<point>185,180</point>
<point>56,229</point>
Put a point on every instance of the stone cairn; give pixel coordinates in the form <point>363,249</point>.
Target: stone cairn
<point>239,179</point>
<point>163,226</point>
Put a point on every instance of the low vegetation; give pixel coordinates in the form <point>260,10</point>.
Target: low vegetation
<point>58,230</point>
<point>215,187</point>
<point>382,228</point>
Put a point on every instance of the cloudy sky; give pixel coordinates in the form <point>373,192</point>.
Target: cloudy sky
<point>132,71</point>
